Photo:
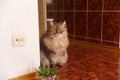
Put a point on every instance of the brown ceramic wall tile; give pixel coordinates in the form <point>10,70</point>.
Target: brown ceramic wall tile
<point>50,14</point>
<point>76,11</point>
<point>111,24</point>
<point>113,44</point>
<point>80,38</point>
<point>70,36</point>
<point>94,25</point>
<point>69,18</point>
<point>58,17</point>
<point>67,4</point>
<point>80,24</point>
<point>50,6</point>
<point>95,4</point>
<point>80,4</point>
<point>57,4</point>
<point>112,4</point>
<point>94,40</point>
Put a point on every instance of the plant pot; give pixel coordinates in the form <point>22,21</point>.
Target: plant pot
<point>50,78</point>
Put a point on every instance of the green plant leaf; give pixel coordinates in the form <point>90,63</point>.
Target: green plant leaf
<point>46,71</point>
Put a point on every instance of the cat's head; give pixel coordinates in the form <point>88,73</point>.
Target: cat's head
<point>57,29</point>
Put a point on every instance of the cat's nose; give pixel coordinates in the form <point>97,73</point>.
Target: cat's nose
<point>56,34</point>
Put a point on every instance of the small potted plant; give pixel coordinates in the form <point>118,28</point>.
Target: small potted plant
<point>46,73</point>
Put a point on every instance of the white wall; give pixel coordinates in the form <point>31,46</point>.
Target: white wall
<point>18,16</point>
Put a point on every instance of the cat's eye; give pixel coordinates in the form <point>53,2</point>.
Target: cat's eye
<point>61,32</point>
<point>53,32</point>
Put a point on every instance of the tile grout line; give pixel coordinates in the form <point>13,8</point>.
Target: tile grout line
<point>74,18</point>
<point>84,10</point>
<point>87,22</point>
<point>102,22</point>
<point>96,39</point>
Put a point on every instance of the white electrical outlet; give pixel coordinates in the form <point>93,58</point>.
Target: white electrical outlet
<point>18,40</point>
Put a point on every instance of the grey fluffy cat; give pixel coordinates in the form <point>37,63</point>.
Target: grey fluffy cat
<point>53,44</point>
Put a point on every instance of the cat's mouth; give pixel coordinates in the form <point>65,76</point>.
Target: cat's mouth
<point>56,36</point>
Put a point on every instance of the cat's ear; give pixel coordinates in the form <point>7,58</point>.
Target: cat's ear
<point>51,23</point>
<point>64,24</point>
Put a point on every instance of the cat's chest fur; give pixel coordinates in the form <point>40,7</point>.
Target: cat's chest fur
<point>56,44</point>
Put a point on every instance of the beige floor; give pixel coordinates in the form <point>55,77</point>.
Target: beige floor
<point>30,76</point>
